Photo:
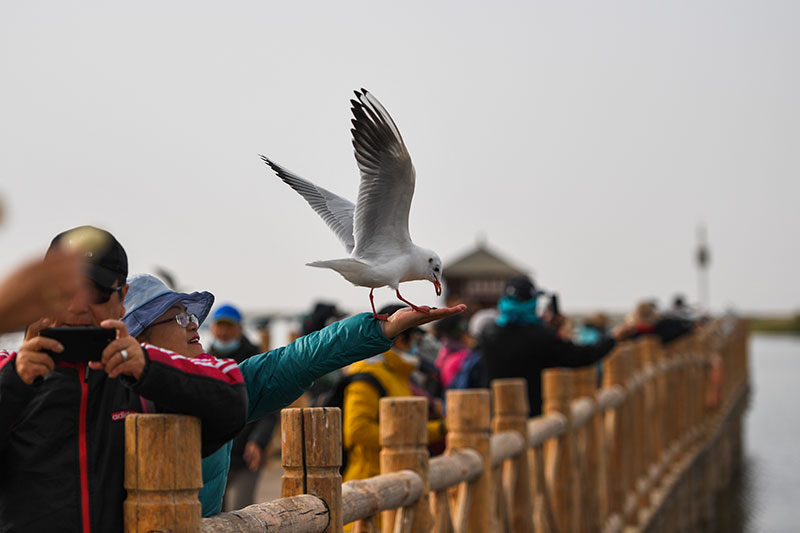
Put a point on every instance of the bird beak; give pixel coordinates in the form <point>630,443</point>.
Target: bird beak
<point>438,287</point>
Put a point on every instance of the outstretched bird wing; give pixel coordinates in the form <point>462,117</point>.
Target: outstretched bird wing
<point>334,210</point>
<point>387,180</point>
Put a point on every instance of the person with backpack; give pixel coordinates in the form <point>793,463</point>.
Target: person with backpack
<point>392,371</point>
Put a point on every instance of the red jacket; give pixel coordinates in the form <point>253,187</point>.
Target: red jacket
<point>62,442</point>
<point>451,357</point>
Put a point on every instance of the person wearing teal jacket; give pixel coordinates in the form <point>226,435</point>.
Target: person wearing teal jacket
<point>277,378</point>
<point>273,379</point>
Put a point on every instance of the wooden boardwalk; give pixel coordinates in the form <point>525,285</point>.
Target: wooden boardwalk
<point>646,452</point>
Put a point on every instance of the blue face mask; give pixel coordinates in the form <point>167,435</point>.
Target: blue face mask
<point>226,347</point>
<point>414,350</point>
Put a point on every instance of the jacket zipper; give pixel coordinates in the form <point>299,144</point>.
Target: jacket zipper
<point>82,450</point>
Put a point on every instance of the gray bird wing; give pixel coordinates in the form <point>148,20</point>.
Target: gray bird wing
<point>334,210</point>
<point>387,180</point>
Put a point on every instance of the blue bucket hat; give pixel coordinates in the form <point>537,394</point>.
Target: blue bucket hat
<point>148,298</point>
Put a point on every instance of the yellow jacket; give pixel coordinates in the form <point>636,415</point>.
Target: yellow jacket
<point>360,423</point>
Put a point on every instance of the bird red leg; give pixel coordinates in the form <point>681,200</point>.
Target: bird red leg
<point>423,309</point>
<point>383,316</point>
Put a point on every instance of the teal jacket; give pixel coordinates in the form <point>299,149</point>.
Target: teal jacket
<point>277,378</point>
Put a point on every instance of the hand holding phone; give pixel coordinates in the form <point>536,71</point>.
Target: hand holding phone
<point>32,362</point>
<point>123,355</point>
<point>81,344</point>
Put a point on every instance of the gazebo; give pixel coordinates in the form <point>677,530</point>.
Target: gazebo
<point>478,278</point>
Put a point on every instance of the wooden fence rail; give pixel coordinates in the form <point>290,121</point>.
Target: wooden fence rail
<point>647,451</point>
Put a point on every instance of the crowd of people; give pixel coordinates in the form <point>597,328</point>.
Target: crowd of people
<point>514,339</point>
<point>61,420</point>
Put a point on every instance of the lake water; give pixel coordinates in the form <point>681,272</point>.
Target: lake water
<point>765,495</point>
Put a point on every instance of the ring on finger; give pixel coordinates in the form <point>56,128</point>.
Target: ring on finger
<point>124,353</point>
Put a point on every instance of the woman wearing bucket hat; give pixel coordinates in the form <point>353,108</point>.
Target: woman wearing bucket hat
<point>275,379</point>
<point>162,317</point>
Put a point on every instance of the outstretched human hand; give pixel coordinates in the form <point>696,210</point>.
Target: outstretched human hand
<point>38,288</point>
<point>406,318</point>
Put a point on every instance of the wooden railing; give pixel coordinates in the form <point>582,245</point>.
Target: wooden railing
<point>647,451</point>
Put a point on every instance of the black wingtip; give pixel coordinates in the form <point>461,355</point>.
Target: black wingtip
<point>275,168</point>
<point>268,161</point>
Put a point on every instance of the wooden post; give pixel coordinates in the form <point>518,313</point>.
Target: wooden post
<point>696,357</point>
<point>560,453</point>
<point>682,399</point>
<point>637,428</point>
<point>404,441</point>
<point>674,390</point>
<point>468,418</point>
<point>615,372</point>
<point>293,481</point>
<point>585,386</point>
<point>264,340</point>
<point>311,454</point>
<point>323,444</point>
<point>651,351</point>
<point>162,473</point>
<point>644,365</point>
<point>511,412</point>
<point>641,424</point>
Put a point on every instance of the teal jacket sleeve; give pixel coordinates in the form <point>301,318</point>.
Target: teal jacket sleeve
<point>277,378</point>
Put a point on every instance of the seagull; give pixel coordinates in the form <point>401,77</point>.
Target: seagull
<point>374,231</point>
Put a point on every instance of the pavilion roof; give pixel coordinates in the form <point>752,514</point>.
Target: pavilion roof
<point>481,262</point>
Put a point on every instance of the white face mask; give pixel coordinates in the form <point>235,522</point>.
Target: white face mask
<point>409,358</point>
<point>226,347</point>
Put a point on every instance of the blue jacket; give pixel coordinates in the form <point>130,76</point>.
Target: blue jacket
<point>277,378</point>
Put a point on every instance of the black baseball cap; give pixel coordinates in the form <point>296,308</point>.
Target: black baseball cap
<point>522,288</point>
<point>106,259</point>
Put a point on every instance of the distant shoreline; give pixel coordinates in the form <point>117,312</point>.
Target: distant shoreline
<point>786,326</point>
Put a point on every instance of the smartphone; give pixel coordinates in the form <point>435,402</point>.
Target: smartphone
<point>81,344</point>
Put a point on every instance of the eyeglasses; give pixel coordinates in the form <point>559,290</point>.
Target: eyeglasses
<point>100,295</point>
<point>183,320</point>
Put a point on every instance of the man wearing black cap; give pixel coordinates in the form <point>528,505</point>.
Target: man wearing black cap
<point>62,423</point>
<point>520,345</point>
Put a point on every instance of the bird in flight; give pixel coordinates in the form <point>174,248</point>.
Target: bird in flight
<point>374,231</point>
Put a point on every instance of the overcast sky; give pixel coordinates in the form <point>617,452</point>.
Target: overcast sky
<point>586,141</point>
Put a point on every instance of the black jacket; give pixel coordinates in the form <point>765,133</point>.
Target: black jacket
<point>523,351</point>
<point>258,431</point>
<point>62,442</point>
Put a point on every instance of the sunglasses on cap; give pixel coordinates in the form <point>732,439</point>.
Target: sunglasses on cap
<point>100,295</point>
<point>183,320</point>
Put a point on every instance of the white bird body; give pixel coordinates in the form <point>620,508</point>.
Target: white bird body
<point>403,266</point>
<point>374,231</point>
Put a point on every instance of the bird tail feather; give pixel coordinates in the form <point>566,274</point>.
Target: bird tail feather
<point>350,269</point>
